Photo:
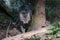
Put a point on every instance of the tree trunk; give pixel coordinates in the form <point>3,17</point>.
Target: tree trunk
<point>39,18</point>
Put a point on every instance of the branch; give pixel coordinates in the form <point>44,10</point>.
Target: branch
<point>26,35</point>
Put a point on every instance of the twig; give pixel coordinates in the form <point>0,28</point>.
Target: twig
<point>8,29</point>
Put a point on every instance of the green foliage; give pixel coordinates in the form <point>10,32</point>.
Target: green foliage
<point>11,8</point>
<point>33,2</point>
<point>52,10</point>
<point>3,18</point>
<point>56,25</point>
<point>49,5</point>
<point>55,32</point>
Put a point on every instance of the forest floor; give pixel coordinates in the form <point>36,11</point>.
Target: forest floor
<point>30,35</point>
<point>33,35</point>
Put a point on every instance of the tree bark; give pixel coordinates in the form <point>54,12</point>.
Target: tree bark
<point>39,18</point>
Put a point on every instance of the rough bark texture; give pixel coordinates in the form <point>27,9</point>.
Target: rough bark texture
<point>39,18</point>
